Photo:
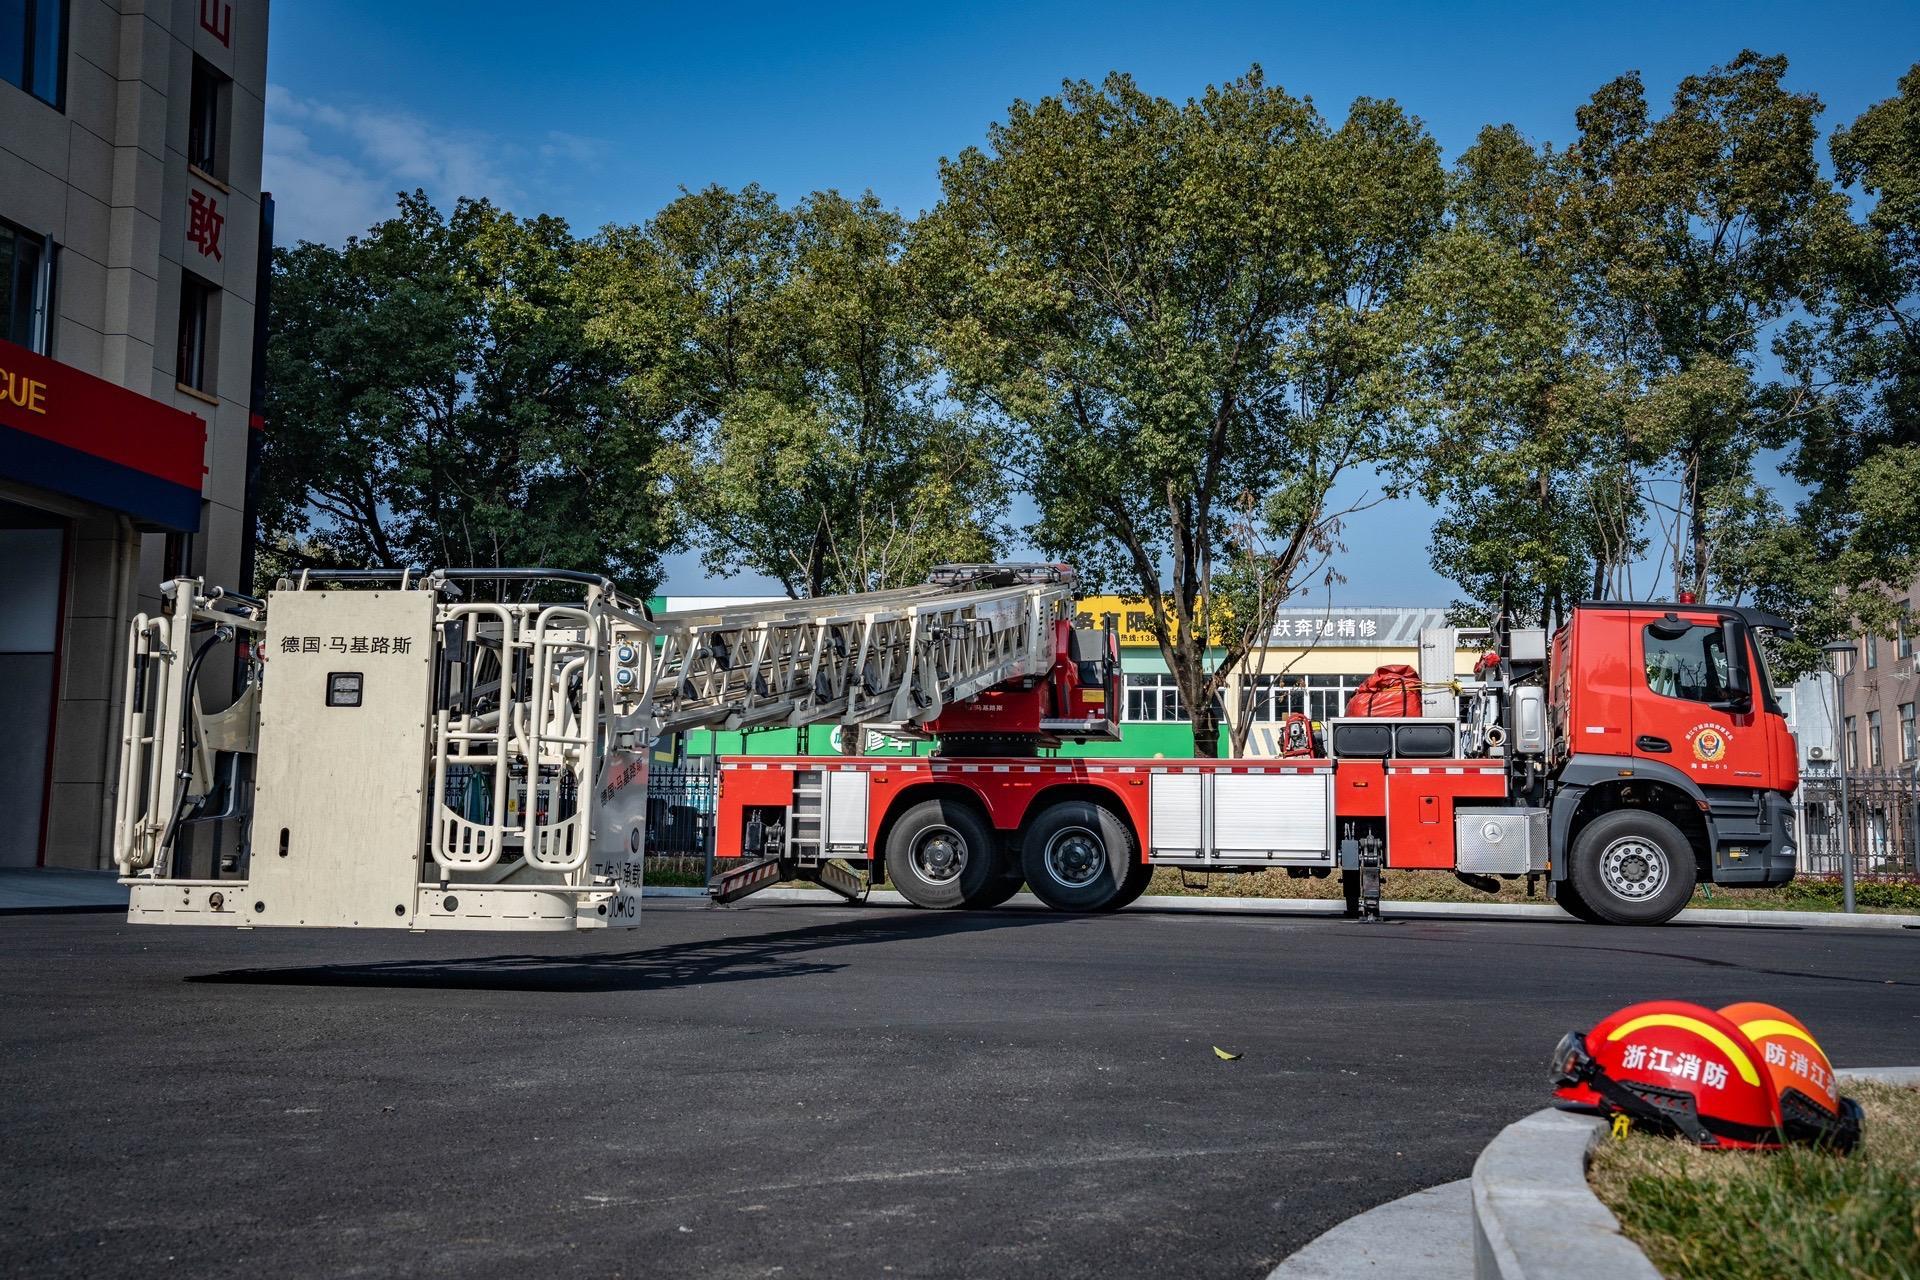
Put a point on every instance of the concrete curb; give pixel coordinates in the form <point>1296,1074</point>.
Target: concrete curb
<point>1535,1217</point>
<point>1326,907</point>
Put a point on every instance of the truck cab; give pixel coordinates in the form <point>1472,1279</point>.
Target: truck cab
<point>1670,762</point>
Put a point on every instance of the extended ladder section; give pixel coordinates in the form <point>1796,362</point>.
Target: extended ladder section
<point>890,656</point>
<point>416,759</point>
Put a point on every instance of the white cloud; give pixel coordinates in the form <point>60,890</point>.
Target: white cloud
<point>334,169</point>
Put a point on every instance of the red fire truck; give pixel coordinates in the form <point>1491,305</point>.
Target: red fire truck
<point>1638,753</point>
<point>402,752</point>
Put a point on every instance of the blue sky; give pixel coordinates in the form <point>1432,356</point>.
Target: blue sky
<point>602,112</point>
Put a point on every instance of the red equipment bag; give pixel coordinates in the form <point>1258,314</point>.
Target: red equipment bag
<point>1389,691</point>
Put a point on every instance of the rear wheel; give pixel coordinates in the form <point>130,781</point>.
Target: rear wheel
<point>1004,885</point>
<point>941,854</point>
<point>1632,867</point>
<point>1137,881</point>
<point>1077,856</point>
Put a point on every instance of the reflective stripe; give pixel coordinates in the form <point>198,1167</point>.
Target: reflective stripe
<point>1714,1035</point>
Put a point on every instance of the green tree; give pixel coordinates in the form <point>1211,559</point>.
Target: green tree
<point>436,397</point>
<point>1528,467</point>
<point>1850,550</point>
<point>1694,236</point>
<point>811,442</point>
<point>1182,312</point>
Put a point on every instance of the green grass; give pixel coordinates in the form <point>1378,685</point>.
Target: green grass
<point>1729,1215</point>
<point>1440,886</point>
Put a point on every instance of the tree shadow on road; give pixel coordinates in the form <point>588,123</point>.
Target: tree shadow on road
<point>708,961</point>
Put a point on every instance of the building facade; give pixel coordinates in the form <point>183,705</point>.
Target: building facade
<point>132,244</point>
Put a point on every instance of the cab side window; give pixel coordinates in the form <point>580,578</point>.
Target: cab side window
<point>1692,665</point>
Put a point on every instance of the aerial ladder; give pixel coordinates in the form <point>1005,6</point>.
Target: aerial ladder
<point>404,754</point>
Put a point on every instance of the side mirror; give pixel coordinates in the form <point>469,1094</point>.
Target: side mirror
<point>1739,699</point>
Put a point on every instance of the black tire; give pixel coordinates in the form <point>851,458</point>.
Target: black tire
<point>1631,867</point>
<point>941,855</point>
<point>1001,888</point>
<point>1569,900</point>
<point>1137,881</point>
<point>1076,856</point>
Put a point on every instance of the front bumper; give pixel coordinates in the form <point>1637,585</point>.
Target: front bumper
<point>1767,856</point>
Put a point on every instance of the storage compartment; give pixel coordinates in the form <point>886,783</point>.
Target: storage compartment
<point>1229,817</point>
<point>1501,841</point>
<point>1363,739</point>
<point>1424,740</point>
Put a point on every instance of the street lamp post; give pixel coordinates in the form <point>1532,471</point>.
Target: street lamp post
<point>1843,653</point>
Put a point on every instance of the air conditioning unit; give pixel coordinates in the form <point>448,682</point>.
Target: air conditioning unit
<point>1817,753</point>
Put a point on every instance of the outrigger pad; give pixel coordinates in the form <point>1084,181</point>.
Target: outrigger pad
<point>744,879</point>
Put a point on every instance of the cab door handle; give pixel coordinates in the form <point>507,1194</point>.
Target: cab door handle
<point>1647,742</point>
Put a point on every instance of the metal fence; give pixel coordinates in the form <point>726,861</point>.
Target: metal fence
<point>680,818</point>
<point>1882,823</point>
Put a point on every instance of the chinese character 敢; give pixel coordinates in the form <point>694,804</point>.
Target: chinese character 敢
<point>204,222</point>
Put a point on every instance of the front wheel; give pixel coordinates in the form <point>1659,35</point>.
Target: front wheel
<point>1076,856</point>
<point>1632,867</point>
<point>1137,881</point>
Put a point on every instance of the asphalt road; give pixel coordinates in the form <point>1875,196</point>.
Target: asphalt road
<point>810,1091</point>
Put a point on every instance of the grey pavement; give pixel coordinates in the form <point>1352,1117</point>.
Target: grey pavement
<point>804,1090</point>
<point>52,889</point>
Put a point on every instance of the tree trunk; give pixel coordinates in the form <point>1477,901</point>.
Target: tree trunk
<point>1206,731</point>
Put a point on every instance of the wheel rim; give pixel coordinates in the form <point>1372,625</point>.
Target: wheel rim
<point>1634,868</point>
<point>939,855</point>
<point>1076,857</point>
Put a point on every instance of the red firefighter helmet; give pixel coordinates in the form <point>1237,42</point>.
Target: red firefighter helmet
<point>1810,1100</point>
<point>1675,1067</point>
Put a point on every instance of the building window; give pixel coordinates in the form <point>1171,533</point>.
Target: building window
<point>1873,739</point>
<point>33,41</point>
<point>1154,698</point>
<point>1853,745</point>
<point>26,286</point>
<point>1321,698</point>
<point>1873,650</point>
<point>1905,630</point>
<point>199,306</point>
<point>206,121</point>
<point>1907,740</point>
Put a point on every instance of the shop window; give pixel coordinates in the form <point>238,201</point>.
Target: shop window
<point>199,323</point>
<point>33,45</point>
<point>26,287</point>
<point>207,117</point>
